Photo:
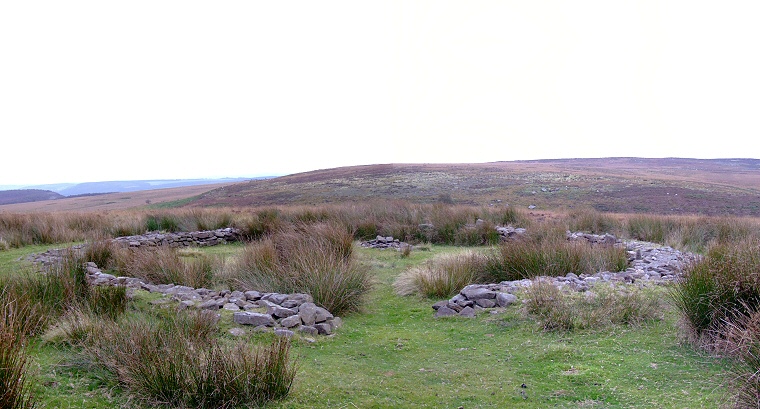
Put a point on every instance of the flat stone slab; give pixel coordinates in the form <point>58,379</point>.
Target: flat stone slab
<point>253,318</point>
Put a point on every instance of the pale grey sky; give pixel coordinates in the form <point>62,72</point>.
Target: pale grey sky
<point>102,90</point>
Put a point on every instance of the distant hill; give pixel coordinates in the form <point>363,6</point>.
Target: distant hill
<point>626,185</point>
<point>171,197</point>
<point>137,185</point>
<point>26,196</point>
<point>106,195</point>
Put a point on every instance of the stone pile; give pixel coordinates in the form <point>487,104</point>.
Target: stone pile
<point>648,263</point>
<point>182,239</point>
<point>381,242</point>
<point>593,239</point>
<point>285,313</point>
<point>509,232</point>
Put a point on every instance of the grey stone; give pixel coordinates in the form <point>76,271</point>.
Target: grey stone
<point>209,305</point>
<point>185,304</point>
<point>454,306</point>
<point>275,298</point>
<point>308,329</point>
<point>336,323</point>
<point>440,304</point>
<point>253,318</point>
<point>505,299</point>
<point>475,293</point>
<point>445,312</point>
<point>467,312</point>
<point>280,312</point>
<point>252,295</point>
<point>237,331</point>
<point>485,303</point>
<point>290,322</point>
<point>323,328</point>
<point>286,333</point>
<point>311,314</point>
<point>231,307</point>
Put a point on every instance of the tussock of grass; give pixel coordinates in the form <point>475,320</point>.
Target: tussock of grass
<point>443,276</point>
<point>552,256</point>
<point>63,287</point>
<point>712,292</point>
<point>181,364</point>
<point>314,259</point>
<point>594,222</point>
<point>16,385</point>
<point>545,253</point>
<point>598,308</point>
<point>165,265</point>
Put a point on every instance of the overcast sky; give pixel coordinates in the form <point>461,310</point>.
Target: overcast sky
<point>107,90</point>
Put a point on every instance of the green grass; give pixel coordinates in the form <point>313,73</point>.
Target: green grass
<point>395,354</point>
<point>398,355</point>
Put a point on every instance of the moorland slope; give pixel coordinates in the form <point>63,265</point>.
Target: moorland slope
<point>625,185</point>
<point>663,186</point>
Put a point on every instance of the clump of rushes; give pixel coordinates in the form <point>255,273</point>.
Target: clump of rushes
<point>552,257</point>
<point>61,288</point>
<point>741,339</point>
<point>16,324</point>
<point>716,290</point>
<point>174,365</point>
<point>165,265</point>
<point>316,259</point>
<point>443,276</point>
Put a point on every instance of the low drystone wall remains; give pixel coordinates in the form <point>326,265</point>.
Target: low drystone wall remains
<point>389,242</point>
<point>285,314</point>
<point>182,239</point>
<point>648,263</point>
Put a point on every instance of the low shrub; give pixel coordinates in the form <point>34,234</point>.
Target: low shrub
<point>443,276</point>
<point>650,228</point>
<point>563,310</point>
